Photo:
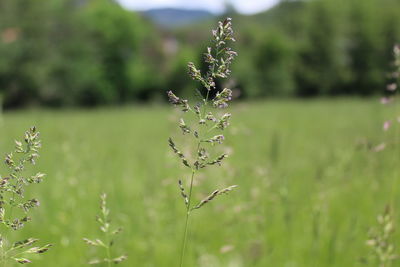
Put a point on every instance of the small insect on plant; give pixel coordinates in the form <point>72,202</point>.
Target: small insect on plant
<point>219,58</point>
<point>14,207</point>
<point>108,236</point>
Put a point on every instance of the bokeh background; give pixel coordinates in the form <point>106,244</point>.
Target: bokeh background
<point>91,53</point>
<point>307,147</point>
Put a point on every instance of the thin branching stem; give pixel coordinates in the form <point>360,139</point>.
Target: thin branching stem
<point>396,95</point>
<point>108,235</point>
<point>12,194</point>
<point>108,240</point>
<point>185,232</point>
<point>188,207</point>
<point>218,68</point>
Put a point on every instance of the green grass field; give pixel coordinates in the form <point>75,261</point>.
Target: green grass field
<point>309,190</point>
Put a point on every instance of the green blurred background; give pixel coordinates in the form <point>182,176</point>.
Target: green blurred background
<point>303,144</point>
<point>95,52</point>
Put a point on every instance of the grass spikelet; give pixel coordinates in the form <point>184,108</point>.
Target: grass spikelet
<point>179,153</point>
<point>213,195</point>
<point>108,238</point>
<point>206,200</point>
<point>218,160</point>
<point>183,194</point>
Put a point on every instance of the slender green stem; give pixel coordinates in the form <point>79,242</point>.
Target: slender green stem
<point>188,207</point>
<point>2,256</point>
<point>184,241</point>
<point>108,240</point>
<point>108,255</point>
<point>396,152</point>
<point>108,249</point>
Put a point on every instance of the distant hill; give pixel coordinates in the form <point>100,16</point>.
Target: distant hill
<point>173,17</point>
<point>287,16</point>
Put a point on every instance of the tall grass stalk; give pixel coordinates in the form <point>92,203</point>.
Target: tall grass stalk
<point>394,87</point>
<point>107,241</point>
<point>392,91</point>
<point>14,207</point>
<point>381,237</point>
<point>219,58</point>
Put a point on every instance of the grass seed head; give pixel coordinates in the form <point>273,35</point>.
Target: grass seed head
<point>380,239</point>
<point>219,58</point>
<point>107,241</point>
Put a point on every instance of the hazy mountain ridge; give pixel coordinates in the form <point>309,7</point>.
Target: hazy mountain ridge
<point>175,17</point>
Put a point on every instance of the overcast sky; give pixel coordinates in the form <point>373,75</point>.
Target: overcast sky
<point>215,6</point>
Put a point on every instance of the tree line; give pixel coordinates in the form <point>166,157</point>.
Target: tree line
<point>94,52</point>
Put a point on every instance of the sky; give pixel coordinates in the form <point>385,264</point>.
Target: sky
<point>215,6</point>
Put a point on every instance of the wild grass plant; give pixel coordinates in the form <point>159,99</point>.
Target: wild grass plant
<point>206,130</point>
<point>391,96</point>
<point>381,238</point>
<point>108,240</point>
<point>14,206</point>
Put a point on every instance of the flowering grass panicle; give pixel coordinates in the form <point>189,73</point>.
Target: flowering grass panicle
<point>392,87</point>
<point>219,58</point>
<point>108,236</point>
<point>14,207</point>
<point>390,97</point>
<point>380,239</point>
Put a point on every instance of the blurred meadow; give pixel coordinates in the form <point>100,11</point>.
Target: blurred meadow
<point>307,146</point>
<point>310,186</point>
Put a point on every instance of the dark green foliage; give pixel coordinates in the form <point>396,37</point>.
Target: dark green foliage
<point>313,48</point>
<point>274,60</point>
<point>93,52</point>
<point>369,48</point>
<point>68,52</point>
<point>321,66</point>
